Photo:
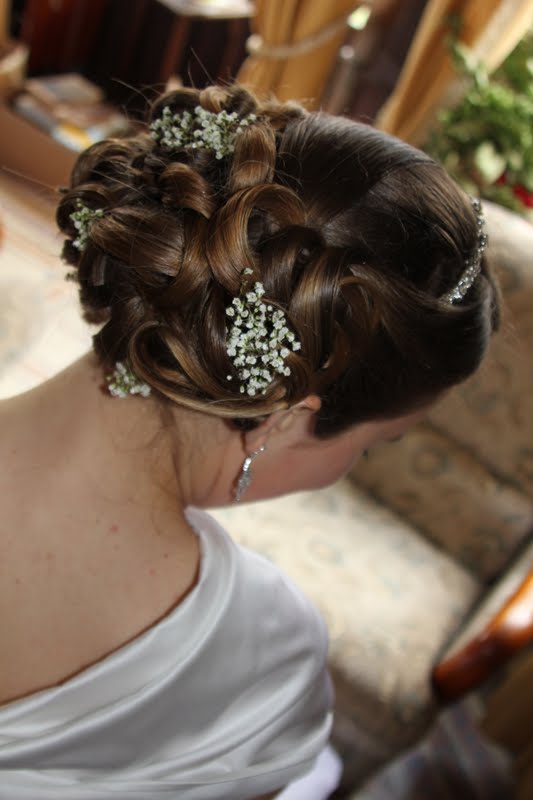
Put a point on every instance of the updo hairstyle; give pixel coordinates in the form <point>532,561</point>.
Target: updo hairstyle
<point>354,234</point>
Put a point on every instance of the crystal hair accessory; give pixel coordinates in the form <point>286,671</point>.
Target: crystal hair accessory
<point>200,129</point>
<point>258,340</point>
<point>82,220</point>
<point>473,265</point>
<point>122,382</point>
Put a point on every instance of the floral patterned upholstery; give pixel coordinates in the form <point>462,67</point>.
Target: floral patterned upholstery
<point>390,598</point>
<point>450,497</point>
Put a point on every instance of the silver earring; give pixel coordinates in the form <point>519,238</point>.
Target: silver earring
<point>245,478</point>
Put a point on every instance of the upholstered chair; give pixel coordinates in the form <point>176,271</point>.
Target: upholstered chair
<point>422,559</point>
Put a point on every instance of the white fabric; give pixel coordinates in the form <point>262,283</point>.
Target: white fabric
<point>227,697</point>
<point>318,784</point>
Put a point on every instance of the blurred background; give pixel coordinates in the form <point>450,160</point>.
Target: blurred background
<point>454,77</point>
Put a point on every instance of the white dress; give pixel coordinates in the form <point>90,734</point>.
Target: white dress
<point>227,697</point>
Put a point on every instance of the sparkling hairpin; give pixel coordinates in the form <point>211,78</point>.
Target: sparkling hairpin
<point>200,129</point>
<point>82,220</point>
<point>123,382</point>
<point>473,265</point>
<point>258,340</point>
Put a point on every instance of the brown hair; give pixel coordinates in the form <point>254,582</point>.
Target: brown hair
<point>354,234</point>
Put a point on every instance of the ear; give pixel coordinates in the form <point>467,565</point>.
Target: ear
<point>284,426</point>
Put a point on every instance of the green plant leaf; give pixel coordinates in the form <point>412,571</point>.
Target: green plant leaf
<point>489,132</point>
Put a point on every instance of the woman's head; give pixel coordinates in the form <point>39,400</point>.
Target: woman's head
<point>354,235</point>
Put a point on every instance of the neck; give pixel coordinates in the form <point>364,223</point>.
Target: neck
<point>133,450</point>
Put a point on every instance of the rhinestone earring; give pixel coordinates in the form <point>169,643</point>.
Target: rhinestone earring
<point>245,478</point>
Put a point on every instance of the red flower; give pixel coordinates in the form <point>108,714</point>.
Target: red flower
<point>524,195</point>
<point>519,191</point>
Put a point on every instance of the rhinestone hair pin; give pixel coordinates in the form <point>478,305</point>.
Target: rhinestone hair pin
<point>473,265</point>
<point>200,129</point>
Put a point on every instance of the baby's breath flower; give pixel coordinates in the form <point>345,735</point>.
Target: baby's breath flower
<point>82,219</point>
<point>201,129</point>
<point>258,340</point>
<point>123,382</point>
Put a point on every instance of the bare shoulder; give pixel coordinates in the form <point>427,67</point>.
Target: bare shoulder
<point>16,467</point>
<point>78,577</point>
<point>18,443</point>
<point>67,602</point>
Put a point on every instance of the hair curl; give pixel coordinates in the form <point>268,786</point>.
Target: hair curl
<point>354,234</point>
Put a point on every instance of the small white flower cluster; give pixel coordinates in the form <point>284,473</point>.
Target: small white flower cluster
<point>123,382</point>
<point>83,218</point>
<point>258,340</point>
<point>201,129</point>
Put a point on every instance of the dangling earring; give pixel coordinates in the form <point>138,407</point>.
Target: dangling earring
<point>245,478</point>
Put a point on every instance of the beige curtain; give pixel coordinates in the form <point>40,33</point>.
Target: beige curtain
<point>316,26</point>
<point>428,80</point>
